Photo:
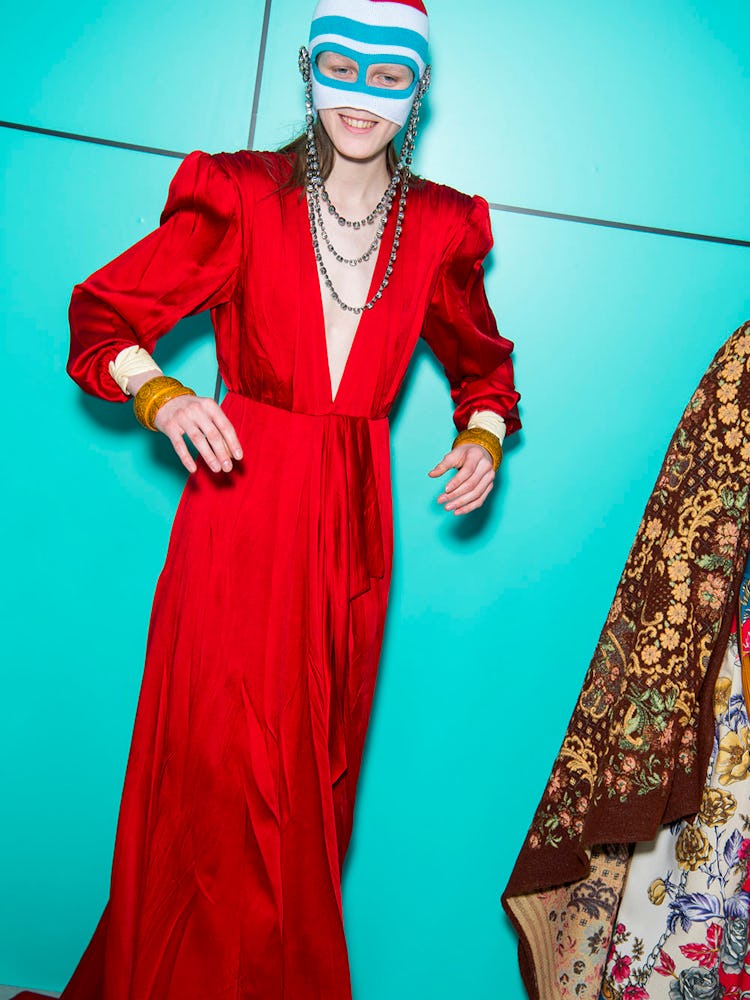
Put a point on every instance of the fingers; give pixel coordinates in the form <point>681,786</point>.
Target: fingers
<point>464,497</point>
<point>469,505</point>
<point>228,433</point>
<point>213,452</point>
<point>475,465</point>
<point>450,461</point>
<point>467,479</point>
<point>207,427</point>
<point>178,443</point>
<point>211,443</point>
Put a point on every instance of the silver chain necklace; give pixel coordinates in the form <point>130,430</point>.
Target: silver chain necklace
<point>352,261</point>
<point>381,208</point>
<point>357,310</point>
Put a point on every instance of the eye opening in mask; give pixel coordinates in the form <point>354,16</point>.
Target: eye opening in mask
<point>347,69</point>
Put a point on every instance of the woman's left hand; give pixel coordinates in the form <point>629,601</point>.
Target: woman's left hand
<point>473,482</point>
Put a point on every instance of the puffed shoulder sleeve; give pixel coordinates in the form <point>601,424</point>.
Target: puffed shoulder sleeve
<point>190,263</point>
<point>461,330</point>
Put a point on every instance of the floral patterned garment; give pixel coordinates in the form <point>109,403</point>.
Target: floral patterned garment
<point>682,927</point>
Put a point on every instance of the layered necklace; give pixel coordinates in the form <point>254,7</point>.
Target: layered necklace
<point>321,207</point>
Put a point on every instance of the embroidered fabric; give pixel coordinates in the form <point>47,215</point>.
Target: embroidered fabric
<point>682,926</point>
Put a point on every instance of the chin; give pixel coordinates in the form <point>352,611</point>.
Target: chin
<point>359,151</point>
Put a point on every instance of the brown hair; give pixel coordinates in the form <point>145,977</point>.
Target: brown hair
<point>296,150</point>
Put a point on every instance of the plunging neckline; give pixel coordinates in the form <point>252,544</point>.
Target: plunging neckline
<point>377,277</point>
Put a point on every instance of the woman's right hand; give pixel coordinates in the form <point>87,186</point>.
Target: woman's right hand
<point>204,422</point>
<point>199,418</point>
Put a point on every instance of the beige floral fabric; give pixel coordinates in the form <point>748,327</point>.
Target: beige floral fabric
<point>681,928</point>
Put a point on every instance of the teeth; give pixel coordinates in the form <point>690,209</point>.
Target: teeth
<point>358,123</point>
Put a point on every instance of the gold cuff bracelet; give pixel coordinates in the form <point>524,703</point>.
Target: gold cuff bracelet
<point>153,394</point>
<point>488,440</point>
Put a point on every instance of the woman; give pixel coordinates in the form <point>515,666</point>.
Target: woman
<point>322,265</point>
<point>633,881</point>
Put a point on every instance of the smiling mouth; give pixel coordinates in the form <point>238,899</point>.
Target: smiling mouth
<point>360,124</point>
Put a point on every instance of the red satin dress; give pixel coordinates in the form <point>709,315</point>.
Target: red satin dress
<point>268,616</point>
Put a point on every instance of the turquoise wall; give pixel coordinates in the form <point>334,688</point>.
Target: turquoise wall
<point>634,112</point>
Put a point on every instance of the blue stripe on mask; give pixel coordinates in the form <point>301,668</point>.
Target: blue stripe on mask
<point>370,34</point>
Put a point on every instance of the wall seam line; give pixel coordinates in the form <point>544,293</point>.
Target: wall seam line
<point>259,74</point>
<point>611,224</point>
<point>251,130</point>
<point>96,140</point>
<point>495,206</point>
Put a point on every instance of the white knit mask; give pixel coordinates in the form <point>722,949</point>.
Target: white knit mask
<point>369,32</point>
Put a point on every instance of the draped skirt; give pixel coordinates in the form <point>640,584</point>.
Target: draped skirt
<point>263,648</point>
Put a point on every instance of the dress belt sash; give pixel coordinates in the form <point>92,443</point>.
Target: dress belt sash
<point>351,502</point>
<point>350,507</point>
<point>347,532</point>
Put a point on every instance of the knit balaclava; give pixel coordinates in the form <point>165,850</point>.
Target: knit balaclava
<point>369,32</point>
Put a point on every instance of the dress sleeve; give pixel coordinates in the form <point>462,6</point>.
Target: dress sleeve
<point>460,328</point>
<point>188,264</point>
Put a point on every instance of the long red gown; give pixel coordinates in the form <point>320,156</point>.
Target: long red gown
<point>268,616</point>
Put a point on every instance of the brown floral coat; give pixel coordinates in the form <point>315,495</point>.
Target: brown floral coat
<point>637,747</point>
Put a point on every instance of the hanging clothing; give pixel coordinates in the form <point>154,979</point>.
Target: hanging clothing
<point>268,617</point>
<point>681,927</point>
<point>637,751</point>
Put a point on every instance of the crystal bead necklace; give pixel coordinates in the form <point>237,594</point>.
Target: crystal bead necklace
<point>353,261</point>
<point>381,208</point>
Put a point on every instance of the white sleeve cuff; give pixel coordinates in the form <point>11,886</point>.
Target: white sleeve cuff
<point>489,421</point>
<point>131,361</point>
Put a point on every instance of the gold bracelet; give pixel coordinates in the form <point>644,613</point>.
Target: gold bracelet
<point>153,401</point>
<point>153,394</point>
<point>485,438</point>
<point>150,394</point>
